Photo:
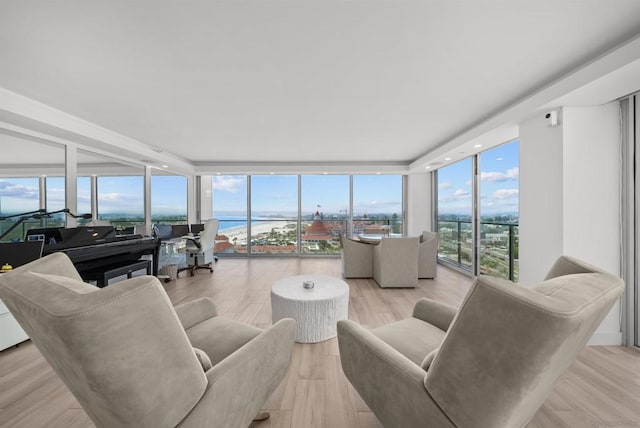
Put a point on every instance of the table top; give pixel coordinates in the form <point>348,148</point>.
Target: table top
<point>326,287</point>
<point>371,238</point>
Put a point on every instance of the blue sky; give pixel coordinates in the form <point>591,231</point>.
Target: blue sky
<point>499,183</point>
<point>272,194</point>
<point>277,194</point>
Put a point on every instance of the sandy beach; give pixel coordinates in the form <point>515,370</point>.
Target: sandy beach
<point>240,232</point>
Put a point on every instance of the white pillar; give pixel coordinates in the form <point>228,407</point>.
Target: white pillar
<point>205,196</point>
<point>192,211</point>
<point>71,183</point>
<point>94,196</point>
<point>147,200</point>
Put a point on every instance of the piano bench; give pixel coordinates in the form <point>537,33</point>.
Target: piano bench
<point>104,274</point>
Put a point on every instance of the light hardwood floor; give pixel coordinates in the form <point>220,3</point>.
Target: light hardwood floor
<point>601,389</point>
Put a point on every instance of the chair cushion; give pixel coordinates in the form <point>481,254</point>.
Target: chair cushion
<point>411,337</point>
<point>220,337</point>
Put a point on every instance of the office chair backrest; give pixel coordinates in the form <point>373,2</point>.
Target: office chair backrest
<point>208,235</point>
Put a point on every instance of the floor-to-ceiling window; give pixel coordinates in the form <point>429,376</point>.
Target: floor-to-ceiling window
<point>377,201</point>
<point>229,198</point>
<point>455,213</point>
<point>121,200</point>
<point>18,195</point>
<point>499,190</point>
<point>324,212</point>
<point>494,206</point>
<point>274,214</point>
<point>55,201</point>
<point>83,197</point>
<point>302,214</point>
<point>169,199</point>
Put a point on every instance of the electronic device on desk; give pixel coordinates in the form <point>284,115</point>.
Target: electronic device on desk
<point>196,228</point>
<point>179,230</point>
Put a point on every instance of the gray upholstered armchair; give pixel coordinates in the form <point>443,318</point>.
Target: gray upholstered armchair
<point>395,262</point>
<point>357,258</point>
<point>491,363</point>
<point>427,255</point>
<point>128,356</point>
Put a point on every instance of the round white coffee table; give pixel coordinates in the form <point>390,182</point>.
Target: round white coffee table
<point>316,310</point>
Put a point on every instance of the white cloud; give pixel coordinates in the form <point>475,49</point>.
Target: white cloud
<point>505,193</point>
<point>497,177</point>
<point>12,190</point>
<point>227,184</point>
<point>461,194</point>
<point>444,186</point>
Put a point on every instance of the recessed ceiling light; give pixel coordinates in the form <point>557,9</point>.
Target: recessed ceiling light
<point>325,173</point>
<point>447,159</point>
<point>428,167</point>
<point>477,146</point>
<point>272,173</point>
<point>378,173</point>
<point>217,173</point>
<point>165,166</point>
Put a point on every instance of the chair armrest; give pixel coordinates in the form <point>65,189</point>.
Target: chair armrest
<point>196,311</point>
<point>391,384</point>
<point>241,383</point>
<point>438,314</point>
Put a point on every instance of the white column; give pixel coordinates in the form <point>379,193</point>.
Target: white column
<point>205,198</point>
<point>43,192</point>
<point>569,197</point>
<point>147,200</point>
<point>94,196</point>
<point>418,203</point>
<point>192,211</point>
<point>71,183</point>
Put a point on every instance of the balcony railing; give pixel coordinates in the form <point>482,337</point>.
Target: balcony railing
<point>498,247</point>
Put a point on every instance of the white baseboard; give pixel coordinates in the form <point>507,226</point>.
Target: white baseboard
<point>605,339</point>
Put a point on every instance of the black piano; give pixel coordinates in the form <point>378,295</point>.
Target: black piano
<point>96,248</point>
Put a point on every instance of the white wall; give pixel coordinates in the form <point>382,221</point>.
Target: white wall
<point>591,182</point>
<point>418,203</point>
<point>569,197</point>
<point>541,214</point>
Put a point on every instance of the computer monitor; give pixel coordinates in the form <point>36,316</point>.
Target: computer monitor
<point>17,254</point>
<point>197,228</point>
<point>50,235</point>
<point>162,231</point>
<point>178,230</point>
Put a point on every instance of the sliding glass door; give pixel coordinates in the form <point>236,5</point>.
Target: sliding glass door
<point>491,248</point>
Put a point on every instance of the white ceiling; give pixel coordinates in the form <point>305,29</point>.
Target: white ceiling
<point>296,81</point>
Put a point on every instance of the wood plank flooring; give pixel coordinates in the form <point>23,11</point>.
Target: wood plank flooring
<point>600,390</point>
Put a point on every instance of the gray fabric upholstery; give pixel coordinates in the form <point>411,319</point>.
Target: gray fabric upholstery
<point>427,255</point>
<point>395,262</point>
<point>357,258</point>
<point>497,361</point>
<point>124,354</point>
